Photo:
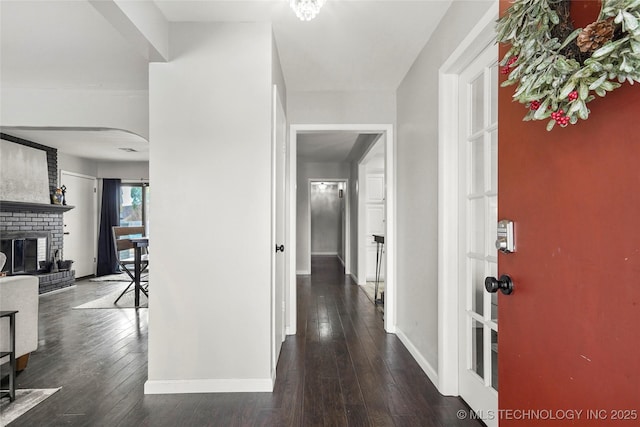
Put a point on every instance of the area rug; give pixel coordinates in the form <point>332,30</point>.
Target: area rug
<point>107,301</point>
<point>25,400</point>
<point>122,277</point>
<point>370,287</point>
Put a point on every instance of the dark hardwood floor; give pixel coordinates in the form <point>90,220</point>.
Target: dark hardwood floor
<point>340,369</point>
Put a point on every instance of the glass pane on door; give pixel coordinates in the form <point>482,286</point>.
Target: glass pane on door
<point>477,346</point>
<point>478,291</point>
<point>494,359</point>
<point>477,104</point>
<point>477,165</point>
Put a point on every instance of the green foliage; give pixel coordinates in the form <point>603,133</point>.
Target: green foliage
<point>545,77</point>
<point>136,196</point>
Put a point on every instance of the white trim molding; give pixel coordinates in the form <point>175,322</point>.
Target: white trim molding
<point>482,35</point>
<point>390,232</point>
<point>231,385</point>
<point>424,364</point>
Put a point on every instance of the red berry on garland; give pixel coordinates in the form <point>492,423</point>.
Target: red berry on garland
<point>534,105</point>
<point>573,95</point>
<point>507,68</point>
<point>560,118</point>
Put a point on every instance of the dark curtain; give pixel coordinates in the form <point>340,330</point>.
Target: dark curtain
<point>109,217</point>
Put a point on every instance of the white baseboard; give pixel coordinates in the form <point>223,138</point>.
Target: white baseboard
<point>303,272</point>
<point>426,366</point>
<point>358,281</point>
<point>288,330</point>
<point>354,278</point>
<point>325,253</point>
<point>341,260</point>
<point>209,386</point>
<point>57,291</point>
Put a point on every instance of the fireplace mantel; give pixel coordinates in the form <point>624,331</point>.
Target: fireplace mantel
<point>9,206</point>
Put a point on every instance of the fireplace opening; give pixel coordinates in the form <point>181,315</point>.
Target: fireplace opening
<point>25,252</point>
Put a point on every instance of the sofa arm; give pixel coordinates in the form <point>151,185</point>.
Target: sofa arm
<point>20,293</point>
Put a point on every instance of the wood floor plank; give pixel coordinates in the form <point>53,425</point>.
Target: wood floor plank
<point>341,368</point>
<point>332,402</point>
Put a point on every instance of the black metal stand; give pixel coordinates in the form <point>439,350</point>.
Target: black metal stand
<point>11,391</point>
<point>379,239</point>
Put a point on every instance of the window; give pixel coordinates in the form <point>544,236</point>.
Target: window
<point>134,204</point>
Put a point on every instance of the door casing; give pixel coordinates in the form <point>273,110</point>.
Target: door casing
<point>481,36</point>
<point>365,239</point>
<point>278,229</point>
<point>92,238</point>
<point>390,232</point>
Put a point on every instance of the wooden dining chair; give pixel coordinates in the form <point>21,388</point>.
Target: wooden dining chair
<point>122,242</point>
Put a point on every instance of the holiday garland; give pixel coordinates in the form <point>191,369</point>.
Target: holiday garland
<point>557,68</point>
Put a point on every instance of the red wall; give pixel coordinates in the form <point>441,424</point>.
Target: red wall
<point>570,332</point>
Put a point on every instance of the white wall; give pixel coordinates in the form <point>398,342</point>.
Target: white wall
<point>341,107</point>
<point>210,128</point>
<point>127,171</point>
<point>117,109</point>
<point>277,76</point>
<point>308,171</point>
<point>417,182</point>
<point>69,163</point>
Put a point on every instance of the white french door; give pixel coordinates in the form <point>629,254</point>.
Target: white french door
<point>478,316</point>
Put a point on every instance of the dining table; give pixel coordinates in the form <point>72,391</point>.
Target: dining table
<point>138,244</point>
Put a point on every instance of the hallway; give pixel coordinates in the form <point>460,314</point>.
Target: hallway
<point>353,372</point>
<point>341,369</point>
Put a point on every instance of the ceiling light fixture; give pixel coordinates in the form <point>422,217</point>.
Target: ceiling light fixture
<point>306,10</point>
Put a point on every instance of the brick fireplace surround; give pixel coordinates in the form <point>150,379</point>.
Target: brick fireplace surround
<point>16,219</point>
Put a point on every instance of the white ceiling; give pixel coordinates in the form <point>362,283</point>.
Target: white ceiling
<point>353,45</point>
<point>325,146</point>
<point>95,144</point>
<point>65,44</point>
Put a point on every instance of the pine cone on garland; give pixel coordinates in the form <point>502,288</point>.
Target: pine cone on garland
<point>594,35</point>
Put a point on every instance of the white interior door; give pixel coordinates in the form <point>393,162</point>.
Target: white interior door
<point>478,322</point>
<point>375,221</point>
<point>279,162</point>
<point>80,223</point>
